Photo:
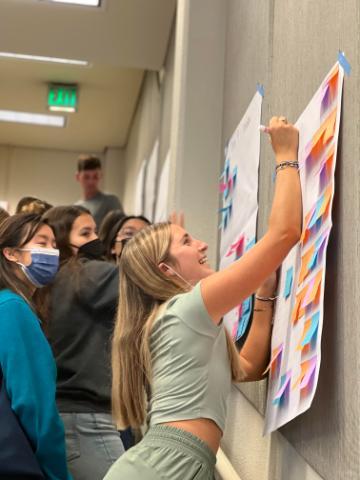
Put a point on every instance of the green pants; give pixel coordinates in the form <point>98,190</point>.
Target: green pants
<point>165,453</point>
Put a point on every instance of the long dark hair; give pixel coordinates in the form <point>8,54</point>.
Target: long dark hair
<point>61,220</point>
<point>15,232</point>
<point>108,234</point>
<point>108,230</point>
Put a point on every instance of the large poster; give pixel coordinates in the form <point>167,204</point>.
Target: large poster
<point>239,188</point>
<point>299,313</point>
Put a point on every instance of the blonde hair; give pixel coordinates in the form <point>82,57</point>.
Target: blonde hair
<point>143,290</point>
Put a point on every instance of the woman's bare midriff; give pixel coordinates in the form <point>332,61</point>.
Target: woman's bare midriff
<point>203,428</point>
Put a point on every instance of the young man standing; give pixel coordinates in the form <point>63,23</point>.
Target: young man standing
<point>98,203</point>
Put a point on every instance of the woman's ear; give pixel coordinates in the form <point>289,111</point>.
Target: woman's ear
<point>10,254</point>
<point>166,270</point>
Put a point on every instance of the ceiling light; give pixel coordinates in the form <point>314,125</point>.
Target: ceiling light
<point>38,58</point>
<point>88,3</point>
<point>32,118</point>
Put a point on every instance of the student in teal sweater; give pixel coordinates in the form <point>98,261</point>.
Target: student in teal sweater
<point>28,260</point>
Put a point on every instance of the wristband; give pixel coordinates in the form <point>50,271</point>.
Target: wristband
<point>287,164</point>
<point>265,299</point>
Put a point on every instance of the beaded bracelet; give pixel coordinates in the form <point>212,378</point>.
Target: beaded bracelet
<point>282,165</point>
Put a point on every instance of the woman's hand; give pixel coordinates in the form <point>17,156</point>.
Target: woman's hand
<point>284,139</point>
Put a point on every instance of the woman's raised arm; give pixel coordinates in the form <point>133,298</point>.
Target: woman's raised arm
<point>224,290</point>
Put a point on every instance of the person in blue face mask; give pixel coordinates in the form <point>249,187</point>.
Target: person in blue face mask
<point>32,443</point>
<point>83,302</point>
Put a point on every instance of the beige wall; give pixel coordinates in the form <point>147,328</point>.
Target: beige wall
<point>47,174</point>
<point>50,174</point>
<point>143,133</point>
<point>256,457</point>
<point>152,120</point>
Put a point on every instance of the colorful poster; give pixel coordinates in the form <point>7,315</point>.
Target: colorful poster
<point>161,209</point>
<point>298,320</point>
<point>150,182</point>
<point>238,214</point>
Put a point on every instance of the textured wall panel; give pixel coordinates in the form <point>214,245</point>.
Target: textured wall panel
<point>289,46</point>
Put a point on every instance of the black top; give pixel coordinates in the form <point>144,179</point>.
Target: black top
<point>83,306</point>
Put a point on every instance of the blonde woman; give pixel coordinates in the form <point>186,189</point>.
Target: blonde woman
<point>172,358</point>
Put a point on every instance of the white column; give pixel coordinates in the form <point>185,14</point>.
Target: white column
<point>196,136</point>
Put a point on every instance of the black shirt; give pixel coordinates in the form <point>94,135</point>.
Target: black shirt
<point>84,300</point>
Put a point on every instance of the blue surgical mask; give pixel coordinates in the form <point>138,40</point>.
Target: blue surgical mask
<point>43,267</point>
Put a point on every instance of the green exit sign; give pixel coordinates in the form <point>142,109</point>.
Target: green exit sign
<point>62,98</point>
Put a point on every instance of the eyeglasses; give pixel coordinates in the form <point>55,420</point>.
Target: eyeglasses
<point>123,241</point>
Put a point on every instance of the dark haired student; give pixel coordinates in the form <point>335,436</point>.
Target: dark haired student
<point>83,303</point>
<point>113,236</point>
<point>89,174</point>
<point>32,443</point>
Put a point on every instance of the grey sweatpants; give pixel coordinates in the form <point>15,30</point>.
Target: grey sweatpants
<point>165,453</point>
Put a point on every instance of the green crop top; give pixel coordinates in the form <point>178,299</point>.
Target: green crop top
<point>190,362</point>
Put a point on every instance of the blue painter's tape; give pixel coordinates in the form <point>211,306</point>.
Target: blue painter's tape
<point>344,63</point>
<point>260,88</point>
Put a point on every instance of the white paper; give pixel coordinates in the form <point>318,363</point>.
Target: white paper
<point>161,209</point>
<point>150,182</point>
<point>239,224</point>
<point>298,330</point>
<point>139,190</point>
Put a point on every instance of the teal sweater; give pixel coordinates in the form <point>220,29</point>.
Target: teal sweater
<point>29,375</point>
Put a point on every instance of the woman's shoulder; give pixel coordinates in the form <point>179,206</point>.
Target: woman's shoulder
<point>190,310</point>
<point>91,282</point>
<point>15,311</point>
<point>9,297</point>
<point>86,268</point>
<point>98,265</point>
<point>191,299</point>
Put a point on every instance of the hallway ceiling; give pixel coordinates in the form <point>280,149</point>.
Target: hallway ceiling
<point>120,39</point>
